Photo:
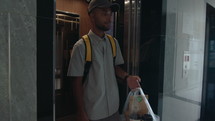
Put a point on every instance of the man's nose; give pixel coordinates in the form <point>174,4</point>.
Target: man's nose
<point>109,18</point>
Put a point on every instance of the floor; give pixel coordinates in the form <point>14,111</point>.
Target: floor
<point>178,110</point>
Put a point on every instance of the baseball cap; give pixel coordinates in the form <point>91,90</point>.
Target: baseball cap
<point>102,4</point>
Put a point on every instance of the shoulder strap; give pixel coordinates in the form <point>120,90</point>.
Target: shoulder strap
<point>88,56</point>
<point>88,53</point>
<point>113,44</point>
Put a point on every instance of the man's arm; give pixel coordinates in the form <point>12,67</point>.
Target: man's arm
<point>77,87</point>
<point>131,80</point>
<point>120,73</point>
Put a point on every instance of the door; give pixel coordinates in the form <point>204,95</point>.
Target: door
<point>67,33</point>
<point>183,61</point>
<point>208,99</point>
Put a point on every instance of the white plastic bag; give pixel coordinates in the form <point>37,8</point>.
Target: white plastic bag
<point>137,107</point>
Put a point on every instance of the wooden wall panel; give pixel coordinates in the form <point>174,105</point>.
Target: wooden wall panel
<point>79,7</point>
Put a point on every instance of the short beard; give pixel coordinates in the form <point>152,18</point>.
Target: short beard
<point>103,28</point>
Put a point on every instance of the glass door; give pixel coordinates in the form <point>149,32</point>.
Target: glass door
<point>208,99</point>
<point>183,61</point>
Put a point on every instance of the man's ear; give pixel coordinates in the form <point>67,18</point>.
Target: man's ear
<point>92,13</point>
<point>91,16</point>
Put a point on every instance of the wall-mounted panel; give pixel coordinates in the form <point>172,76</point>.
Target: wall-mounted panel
<point>23,67</point>
<point>18,60</point>
<point>4,68</point>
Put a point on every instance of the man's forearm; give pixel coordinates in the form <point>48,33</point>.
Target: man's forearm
<point>120,73</point>
<point>78,92</point>
<point>131,80</point>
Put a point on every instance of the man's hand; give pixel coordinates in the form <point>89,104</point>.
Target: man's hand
<point>133,81</point>
<point>77,87</point>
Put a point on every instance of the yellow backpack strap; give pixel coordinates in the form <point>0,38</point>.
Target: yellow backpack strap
<point>88,55</point>
<point>113,44</point>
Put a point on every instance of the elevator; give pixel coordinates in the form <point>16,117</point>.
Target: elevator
<point>156,38</point>
<point>67,33</point>
<point>129,27</point>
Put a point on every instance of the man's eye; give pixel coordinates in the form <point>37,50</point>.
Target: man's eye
<point>108,12</point>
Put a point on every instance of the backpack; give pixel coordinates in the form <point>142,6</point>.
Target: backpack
<point>88,54</point>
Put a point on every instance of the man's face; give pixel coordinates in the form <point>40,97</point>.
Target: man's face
<point>101,18</point>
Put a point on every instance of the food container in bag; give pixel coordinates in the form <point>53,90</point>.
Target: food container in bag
<point>137,107</point>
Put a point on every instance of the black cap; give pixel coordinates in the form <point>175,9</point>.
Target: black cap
<point>102,4</point>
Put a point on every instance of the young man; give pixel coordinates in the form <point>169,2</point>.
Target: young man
<point>97,98</point>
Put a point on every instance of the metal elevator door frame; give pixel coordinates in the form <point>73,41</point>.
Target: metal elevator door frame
<point>132,35</point>
<point>207,106</point>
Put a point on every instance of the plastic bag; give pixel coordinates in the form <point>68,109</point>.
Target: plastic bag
<point>137,107</point>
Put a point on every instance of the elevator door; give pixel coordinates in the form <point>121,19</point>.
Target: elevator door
<point>67,33</point>
<point>183,61</point>
<point>208,105</point>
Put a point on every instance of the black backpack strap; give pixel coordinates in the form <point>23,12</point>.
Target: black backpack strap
<point>88,56</point>
<point>86,70</point>
<point>88,53</point>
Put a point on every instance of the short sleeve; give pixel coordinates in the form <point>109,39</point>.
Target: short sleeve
<point>77,60</point>
<point>119,59</point>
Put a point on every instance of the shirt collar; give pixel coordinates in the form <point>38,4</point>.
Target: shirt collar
<point>91,33</point>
